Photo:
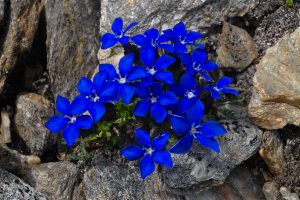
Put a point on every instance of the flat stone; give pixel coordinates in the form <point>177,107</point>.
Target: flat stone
<point>202,169</point>
<point>13,188</point>
<point>32,112</point>
<point>237,49</point>
<point>57,180</point>
<point>72,35</point>
<point>276,96</point>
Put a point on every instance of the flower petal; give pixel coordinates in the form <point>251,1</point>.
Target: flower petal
<point>180,48</point>
<point>99,80</point>
<point>137,73</point>
<point>108,40</point>
<point>85,86</point>
<point>70,134</point>
<point>117,26</point>
<point>156,89</point>
<point>125,64</point>
<point>133,24</point>
<point>205,76</point>
<point>96,110</point>
<point>179,29</point>
<point>160,142</point>
<point>212,128</point>
<point>147,81</point>
<point>168,47</point>
<point>211,143</point>
<point>164,61</point>
<point>142,137</point>
<point>147,55</point>
<point>110,69</point>
<point>163,158</point>
<point>158,113</point>
<point>209,66</point>
<point>124,40</point>
<point>195,112</point>
<point>215,94</point>
<point>164,76</point>
<point>230,91</point>
<point>84,122</point>
<point>126,92</point>
<point>140,91</point>
<point>56,123</point>
<point>167,98</point>
<point>193,35</point>
<point>183,145</point>
<point>62,104</point>
<point>152,33</point>
<point>183,105</point>
<point>147,166</point>
<point>188,81</point>
<point>139,40</point>
<point>199,56</point>
<point>179,124</point>
<point>79,105</point>
<point>185,59</point>
<point>132,152</point>
<point>109,90</point>
<point>141,108</point>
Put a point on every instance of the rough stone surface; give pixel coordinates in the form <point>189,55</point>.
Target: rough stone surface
<point>272,152</point>
<point>198,15</point>
<point>276,96</point>
<point>110,181</point>
<point>202,168</point>
<point>55,180</point>
<point>72,35</point>
<point>271,191</point>
<point>240,184</point>
<point>288,195</point>
<point>5,133</point>
<point>18,34</point>
<point>236,48</point>
<point>32,112</point>
<point>1,10</point>
<point>13,188</point>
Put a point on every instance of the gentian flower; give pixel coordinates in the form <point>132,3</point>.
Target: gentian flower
<point>198,63</point>
<point>71,119</point>
<point>149,152</point>
<point>156,69</point>
<point>221,86</point>
<point>181,38</point>
<point>191,127</point>
<point>152,38</point>
<point>188,90</point>
<point>119,80</point>
<point>153,99</point>
<point>109,40</point>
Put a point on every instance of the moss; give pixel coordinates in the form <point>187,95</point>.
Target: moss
<point>289,3</point>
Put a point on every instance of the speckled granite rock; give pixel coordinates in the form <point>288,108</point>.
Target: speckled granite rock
<point>202,168</point>
<point>13,188</point>
<point>2,10</point>
<point>32,112</point>
<point>72,35</point>
<point>276,96</point>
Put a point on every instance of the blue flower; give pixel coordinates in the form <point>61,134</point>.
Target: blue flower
<point>71,119</point>
<point>152,38</point>
<point>181,38</point>
<point>191,127</point>
<point>198,63</point>
<point>149,152</point>
<point>153,99</point>
<point>109,40</point>
<point>156,69</point>
<point>188,90</point>
<point>221,86</point>
<point>119,80</point>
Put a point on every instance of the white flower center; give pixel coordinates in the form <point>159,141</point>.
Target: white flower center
<point>122,80</point>
<point>190,95</point>
<point>149,151</point>
<point>153,99</point>
<point>73,120</point>
<point>96,99</point>
<point>216,88</point>
<point>194,130</point>
<point>152,71</point>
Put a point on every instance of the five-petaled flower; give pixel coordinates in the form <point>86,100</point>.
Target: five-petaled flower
<point>192,128</point>
<point>154,99</point>
<point>119,80</point>
<point>71,119</point>
<point>182,38</point>
<point>149,152</point>
<point>221,86</point>
<point>109,40</point>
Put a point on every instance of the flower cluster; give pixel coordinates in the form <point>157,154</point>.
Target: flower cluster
<point>167,79</point>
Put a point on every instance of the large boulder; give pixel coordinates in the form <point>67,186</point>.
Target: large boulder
<point>72,35</point>
<point>276,96</point>
<point>32,112</point>
<point>13,188</point>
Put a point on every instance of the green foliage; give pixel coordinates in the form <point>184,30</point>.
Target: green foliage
<point>289,3</point>
<point>227,114</point>
<point>124,113</point>
<point>237,100</point>
<point>81,153</point>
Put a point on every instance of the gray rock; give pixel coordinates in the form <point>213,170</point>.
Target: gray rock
<point>18,35</point>
<point>202,168</point>
<point>13,188</point>
<point>107,181</point>
<point>240,184</point>
<point>271,191</point>
<point>236,49</point>
<point>56,180</point>
<point>288,195</point>
<point>32,112</point>
<point>198,15</point>
<point>276,96</point>
<point>72,35</point>
<point>2,7</point>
